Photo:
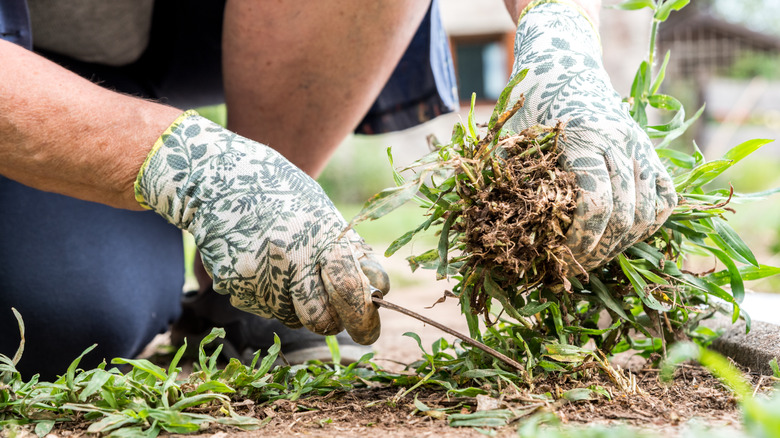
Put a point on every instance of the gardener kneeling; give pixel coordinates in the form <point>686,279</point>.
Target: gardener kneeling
<point>80,155</point>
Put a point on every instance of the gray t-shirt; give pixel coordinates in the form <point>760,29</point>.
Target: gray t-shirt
<point>111,32</point>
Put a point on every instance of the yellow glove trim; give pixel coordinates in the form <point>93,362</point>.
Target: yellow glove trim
<point>157,144</point>
<point>562,2</point>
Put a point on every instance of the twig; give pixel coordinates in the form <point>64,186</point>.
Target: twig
<point>502,357</point>
<point>758,385</point>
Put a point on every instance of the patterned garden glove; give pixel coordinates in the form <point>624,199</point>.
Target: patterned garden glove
<point>267,233</point>
<point>626,193</point>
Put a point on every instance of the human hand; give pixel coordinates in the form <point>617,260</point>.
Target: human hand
<point>267,233</point>
<point>626,194</point>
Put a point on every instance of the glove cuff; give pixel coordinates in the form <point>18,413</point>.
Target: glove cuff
<point>542,5</point>
<point>139,197</point>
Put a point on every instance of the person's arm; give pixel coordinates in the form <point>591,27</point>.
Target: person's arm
<point>61,133</point>
<point>300,79</point>
<point>268,234</point>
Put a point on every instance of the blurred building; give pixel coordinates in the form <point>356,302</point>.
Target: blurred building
<point>706,46</point>
<point>482,41</point>
<point>710,58</point>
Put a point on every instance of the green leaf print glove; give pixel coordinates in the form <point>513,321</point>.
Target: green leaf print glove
<point>626,193</point>
<point>267,233</point>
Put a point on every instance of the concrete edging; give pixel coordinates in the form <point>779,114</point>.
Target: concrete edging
<point>753,350</point>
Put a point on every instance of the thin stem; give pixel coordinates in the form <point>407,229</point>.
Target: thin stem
<point>502,357</point>
<point>653,37</point>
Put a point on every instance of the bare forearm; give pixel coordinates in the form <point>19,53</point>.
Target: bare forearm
<point>300,79</point>
<point>591,7</point>
<point>61,133</point>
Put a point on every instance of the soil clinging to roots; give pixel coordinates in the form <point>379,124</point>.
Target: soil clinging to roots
<point>514,224</point>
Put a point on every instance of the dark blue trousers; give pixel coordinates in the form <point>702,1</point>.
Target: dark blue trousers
<point>82,273</point>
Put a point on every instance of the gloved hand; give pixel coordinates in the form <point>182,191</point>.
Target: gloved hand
<point>626,193</point>
<point>266,231</point>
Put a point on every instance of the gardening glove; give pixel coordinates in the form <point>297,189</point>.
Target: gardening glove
<point>267,233</point>
<point>625,192</point>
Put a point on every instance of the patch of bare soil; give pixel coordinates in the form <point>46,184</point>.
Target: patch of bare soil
<point>664,409</point>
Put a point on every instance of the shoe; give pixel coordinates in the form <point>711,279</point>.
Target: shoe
<point>246,333</point>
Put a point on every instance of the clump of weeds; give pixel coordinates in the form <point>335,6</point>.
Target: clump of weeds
<point>501,205</point>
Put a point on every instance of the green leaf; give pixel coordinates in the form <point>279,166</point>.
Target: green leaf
<point>646,252</point>
<point>143,365</point>
<point>483,373</point>
<point>579,394</point>
<point>427,260</point>
<point>213,386</point>
<point>748,273</point>
<point>648,274</point>
<point>397,177</point>
<point>663,101</point>
<point>203,360</point>
<point>663,131</point>
<point>407,237</point>
<point>594,332</point>
<point>659,79</point>
<point>744,149</point>
<point>386,201</point>
<point>775,367</point>
<point>70,375</point>
<point>557,318</point>
<point>638,88</point>
<point>602,293</point>
<point>737,285</point>
<point>420,406</point>
<point>43,427</point>
<point>639,285</point>
<point>198,399</point>
<point>96,382</point>
<point>662,13</point>
<point>472,125</point>
<point>20,322</point>
<point>269,359</point>
<point>732,239</point>
<point>501,104</point>
<point>675,133</point>
<point>444,244</point>
<point>550,366</point>
<point>679,159</point>
<point>470,391</point>
<point>533,307</point>
<point>177,357</point>
<point>632,5</point>
<point>701,175</point>
<point>566,353</point>
<point>458,134</point>
<point>493,289</point>
<point>416,337</point>
<point>111,422</point>
<point>491,418</point>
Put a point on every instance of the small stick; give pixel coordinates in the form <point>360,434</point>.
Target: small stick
<point>502,357</point>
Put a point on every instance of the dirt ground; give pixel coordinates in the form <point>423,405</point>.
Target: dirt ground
<point>664,409</point>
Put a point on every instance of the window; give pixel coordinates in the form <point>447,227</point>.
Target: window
<point>481,68</point>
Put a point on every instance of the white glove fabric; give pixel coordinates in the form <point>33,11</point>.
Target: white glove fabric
<point>626,193</point>
<point>267,233</point>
